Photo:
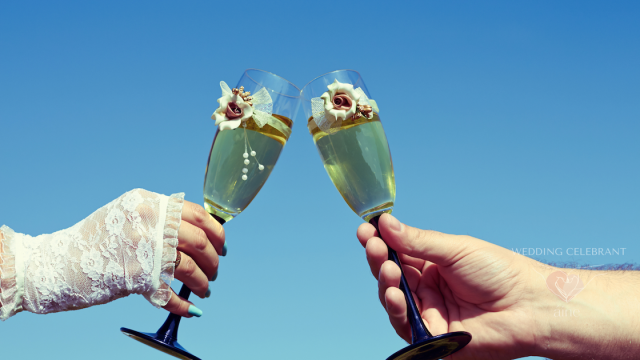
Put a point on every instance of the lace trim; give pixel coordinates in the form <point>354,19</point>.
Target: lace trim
<point>10,292</point>
<point>169,250</point>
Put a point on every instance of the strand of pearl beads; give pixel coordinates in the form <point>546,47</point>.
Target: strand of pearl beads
<point>247,162</point>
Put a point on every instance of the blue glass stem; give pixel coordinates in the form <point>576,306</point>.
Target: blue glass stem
<point>168,332</point>
<point>418,329</point>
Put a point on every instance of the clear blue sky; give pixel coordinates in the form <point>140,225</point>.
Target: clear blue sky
<point>526,134</point>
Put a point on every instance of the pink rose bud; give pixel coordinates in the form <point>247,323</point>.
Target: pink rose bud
<point>342,102</point>
<point>234,111</point>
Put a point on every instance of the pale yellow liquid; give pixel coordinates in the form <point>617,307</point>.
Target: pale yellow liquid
<point>225,193</point>
<point>358,161</point>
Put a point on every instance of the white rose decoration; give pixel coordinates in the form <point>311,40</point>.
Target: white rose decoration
<point>340,102</point>
<point>233,110</point>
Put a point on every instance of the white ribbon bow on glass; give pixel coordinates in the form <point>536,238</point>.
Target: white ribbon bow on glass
<point>237,107</point>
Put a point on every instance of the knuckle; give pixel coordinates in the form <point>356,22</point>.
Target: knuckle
<point>200,240</point>
<point>189,267</point>
<point>183,307</point>
<point>200,215</point>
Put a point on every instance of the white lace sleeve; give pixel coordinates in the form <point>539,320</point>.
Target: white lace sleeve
<point>126,247</point>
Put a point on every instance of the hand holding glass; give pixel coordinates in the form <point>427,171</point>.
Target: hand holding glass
<point>240,161</point>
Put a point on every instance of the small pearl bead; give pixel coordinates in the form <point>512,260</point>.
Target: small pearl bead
<point>246,161</point>
<point>253,153</point>
<point>245,170</point>
<point>261,167</point>
<point>244,177</point>
<point>245,155</point>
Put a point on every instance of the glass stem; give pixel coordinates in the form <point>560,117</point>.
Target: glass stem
<point>418,329</point>
<point>168,332</point>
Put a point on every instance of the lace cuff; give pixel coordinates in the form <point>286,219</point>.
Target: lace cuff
<point>11,289</point>
<point>167,251</point>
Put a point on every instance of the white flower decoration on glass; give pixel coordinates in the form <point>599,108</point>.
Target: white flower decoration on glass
<point>236,107</point>
<point>341,102</point>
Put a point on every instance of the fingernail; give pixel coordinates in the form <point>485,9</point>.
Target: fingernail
<point>395,224</point>
<point>214,277</point>
<point>195,311</point>
<point>224,249</point>
<point>208,293</point>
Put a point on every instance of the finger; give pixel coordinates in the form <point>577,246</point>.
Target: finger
<point>377,254</point>
<point>397,310</point>
<point>439,248</point>
<point>190,274</point>
<point>196,215</point>
<point>180,306</point>
<point>389,277</point>
<point>365,232</point>
<point>194,242</point>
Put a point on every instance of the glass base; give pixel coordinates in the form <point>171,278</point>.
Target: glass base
<point>170,347</point>
<point>434,348</point>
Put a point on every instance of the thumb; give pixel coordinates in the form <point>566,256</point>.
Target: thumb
<point>439,248</point>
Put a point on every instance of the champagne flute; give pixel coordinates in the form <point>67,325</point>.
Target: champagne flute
<point>346,128</point>
<point>240,161</point>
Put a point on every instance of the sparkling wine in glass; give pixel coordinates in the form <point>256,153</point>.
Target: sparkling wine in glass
<point>242,156</point>
<point>345,124</point>
<point>226,193</point>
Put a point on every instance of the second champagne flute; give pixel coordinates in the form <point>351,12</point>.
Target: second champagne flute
<point>345,124</point>
<point>254,123</point>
